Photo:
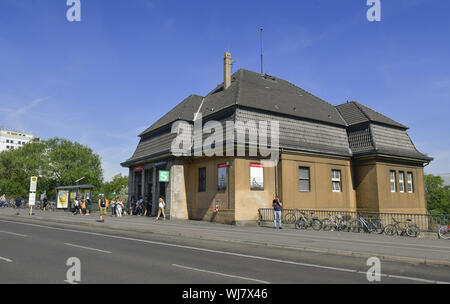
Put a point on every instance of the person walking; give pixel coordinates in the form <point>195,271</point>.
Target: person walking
<point>161,206</point>
<point>113,207</point>
<point>77,205</point>
<point>3,200</point>
<point>119,207</point>
<point>277,206</point>
<point>18,204</point>
<point>83,206</point>
<point>102,207</point>
<point>88,205</point>
<point>44,202</point>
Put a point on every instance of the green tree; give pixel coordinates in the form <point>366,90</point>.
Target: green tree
<point>437,195</point>
<point>118,185</point>
<point>56,162</point>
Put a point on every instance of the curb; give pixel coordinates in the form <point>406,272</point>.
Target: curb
<point>387,258</point>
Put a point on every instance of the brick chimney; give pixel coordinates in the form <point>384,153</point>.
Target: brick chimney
<point>226,70</point>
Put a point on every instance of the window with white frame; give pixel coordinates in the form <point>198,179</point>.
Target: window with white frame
<point>410,183</point>
<point>304,179</point>
<point>401,181</point>
<point>336,180</point>
<point>392,181</point>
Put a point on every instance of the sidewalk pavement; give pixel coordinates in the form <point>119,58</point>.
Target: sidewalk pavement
<point>397,248</point>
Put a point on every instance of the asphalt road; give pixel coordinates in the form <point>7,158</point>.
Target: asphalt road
<point>37,253</point>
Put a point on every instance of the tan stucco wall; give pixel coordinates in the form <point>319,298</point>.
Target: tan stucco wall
<point>249,201</point>
<point>374,192</point>
<point>366,185</point>
<point>321,195</point>
<point>201,204</point>
<point>397,201</point>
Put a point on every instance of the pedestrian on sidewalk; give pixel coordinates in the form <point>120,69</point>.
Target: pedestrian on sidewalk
<point>113,207</point>
<point>83,206</point>
<point>277,206</point>
<point>3,200</point>
<point>119,207</point>
<point>44,202</point>
<point>161,206</point>
<point>18,204</point>
<point>77,205</point>
<point>88,205</point>
<point>102,207</point>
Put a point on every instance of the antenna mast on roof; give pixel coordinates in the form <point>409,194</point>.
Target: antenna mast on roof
<point>261,31</point>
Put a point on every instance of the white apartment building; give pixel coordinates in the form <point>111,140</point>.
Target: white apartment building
<point>10,140</point>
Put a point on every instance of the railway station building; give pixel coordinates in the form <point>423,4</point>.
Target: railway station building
<point>346,157</point>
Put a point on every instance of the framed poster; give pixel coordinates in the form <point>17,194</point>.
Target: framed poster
<point>63,199</point>
<point>222,176</point>
<point>256,176</point>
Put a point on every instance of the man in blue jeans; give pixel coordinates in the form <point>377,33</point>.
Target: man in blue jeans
<point>277,204</point>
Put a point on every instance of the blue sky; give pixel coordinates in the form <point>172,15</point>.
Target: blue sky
<point>105,79</point>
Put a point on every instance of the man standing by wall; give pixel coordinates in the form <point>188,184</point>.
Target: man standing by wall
<point>277,205</point>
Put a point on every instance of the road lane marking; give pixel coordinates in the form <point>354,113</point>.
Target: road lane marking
<point>221,274</point>
<point>13,233</point>
<point>202,249</point>
<point>5,259</point>
<point>390,241</point>
<point>88,248</point>
<point>69,282</point>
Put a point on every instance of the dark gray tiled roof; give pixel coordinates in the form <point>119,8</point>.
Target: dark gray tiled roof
<point>360,139</point>
<point>355,113</point>
<point>394,141</point>
<point>303,135</point>
<point>307,123</point>
<point>268,93</point>
<point>254,90</point>
<point>183,111</point>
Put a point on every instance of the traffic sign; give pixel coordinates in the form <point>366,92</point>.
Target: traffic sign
<point>164,176</point>
<point>33,184</point>
<point>32,199</point>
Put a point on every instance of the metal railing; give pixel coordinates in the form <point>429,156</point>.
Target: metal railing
<point>426,222</point>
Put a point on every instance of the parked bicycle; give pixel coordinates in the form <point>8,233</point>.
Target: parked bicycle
<point>402,228</point>
<point>338,222</point>
<point>304,223</point>
<point>371,225</point>
<point>444,232</point>
<point>291,217</point>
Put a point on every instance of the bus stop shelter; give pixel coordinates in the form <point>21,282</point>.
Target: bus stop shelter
<point>66,195</point>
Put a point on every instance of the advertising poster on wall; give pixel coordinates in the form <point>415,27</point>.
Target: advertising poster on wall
<point>256,177</point>
<point>63,199</point>
<point>222,176</point>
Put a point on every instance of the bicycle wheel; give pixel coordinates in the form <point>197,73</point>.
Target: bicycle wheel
<point>413,230</point>
<point>327,225</point>
<point>355,226</point>
<point>378,226</point>
<point>390,229</point>
<point>443,233</point>
<point>290,218</point>
<point>300,224</point>
<point>316,224</point>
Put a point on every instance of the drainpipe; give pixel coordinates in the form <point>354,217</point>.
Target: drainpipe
<point>276,173</point>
